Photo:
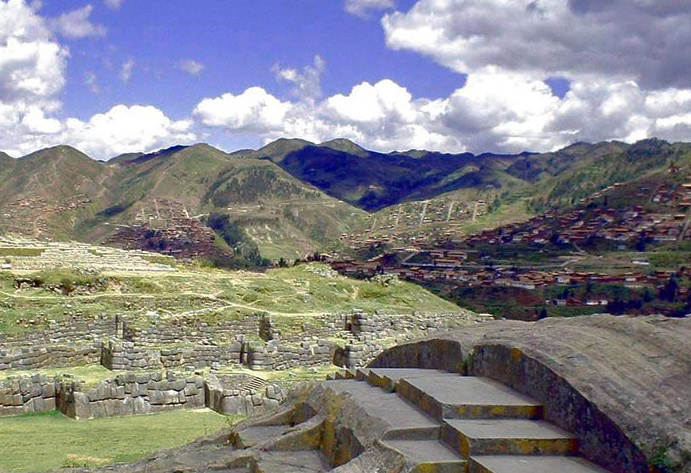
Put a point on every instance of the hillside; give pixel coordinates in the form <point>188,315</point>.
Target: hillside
<point>160,201</point>
<point>293,197</point>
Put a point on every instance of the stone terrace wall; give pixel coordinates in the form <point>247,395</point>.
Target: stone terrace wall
<point>74,329</point>
<point>275,355</point>
<point>42,356</point>
<point>137,393</point>
<point>27,394</point>
<point>130,393</point>
<point>126,356</point>
<point>118,347</point>
<point>187,333</point>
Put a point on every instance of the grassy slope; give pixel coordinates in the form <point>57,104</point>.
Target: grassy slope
<point>284,216</point>
<point>290,294</point>
<point>43,442</point>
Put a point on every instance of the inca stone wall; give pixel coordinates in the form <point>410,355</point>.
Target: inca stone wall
<point>350,339</point>
<point>42,356</point>
<point>130,394</point>
<point>27,394</point>
<point>228,396</point>
<point>73,329</point>
<point>137,393</point>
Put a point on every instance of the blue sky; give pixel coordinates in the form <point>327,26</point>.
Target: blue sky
<point>238,42</point>
<point>112,76</point>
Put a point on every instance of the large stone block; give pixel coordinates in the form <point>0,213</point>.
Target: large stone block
<point>141,406</point>
<point>164,397</point>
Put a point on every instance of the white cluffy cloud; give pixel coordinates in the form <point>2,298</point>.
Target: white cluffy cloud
<point>77,24</point>
<point>362,7</point>
<point>125,129</point>
<point>643,40</point>
<point>494,111</point>
<point>32,75</point>
<point>191,66</point>
<point>253,111</point>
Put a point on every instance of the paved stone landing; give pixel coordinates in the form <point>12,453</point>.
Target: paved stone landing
<point>404,420</point>
<point>445,397</point>
<point>388,378</point>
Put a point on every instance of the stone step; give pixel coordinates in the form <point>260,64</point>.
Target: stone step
<point>388,378</point>
<point>299,461</point>
<point>428,456</point>
<point>507,437</point>
<point>467,397</point>
<point>404,420</point>
<point>361,374</point>
<point>530,464</point>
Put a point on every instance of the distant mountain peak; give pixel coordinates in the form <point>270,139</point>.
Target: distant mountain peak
<point>347,146</point>
<point>277,150</point>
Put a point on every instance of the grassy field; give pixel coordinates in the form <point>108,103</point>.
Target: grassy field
<point>42,442</point>
<point>291,295</point>
<point>91,375</point>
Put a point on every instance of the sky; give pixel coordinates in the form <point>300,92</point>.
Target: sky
<point>119,76</point>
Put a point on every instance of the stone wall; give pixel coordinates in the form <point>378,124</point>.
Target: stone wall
<point>74,329</point>
<point>130,394</point>
<point>138,393</point>
<point>43,356</point>
<point>275,355</point>
<point>120,347</point>
<point>118,356</point>
<point>231,396</point>
<point>27,394</point>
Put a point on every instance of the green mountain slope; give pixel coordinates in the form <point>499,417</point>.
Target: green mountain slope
<point>293,197</point>
<point>62,193</point>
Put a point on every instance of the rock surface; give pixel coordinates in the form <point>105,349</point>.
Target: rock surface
<point>635,371</point>
<point>622,385</point>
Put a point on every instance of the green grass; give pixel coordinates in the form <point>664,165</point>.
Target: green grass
<point>290,295</point>
<point>32,252</point>
<point>91,375</point>
<point>42,442</point>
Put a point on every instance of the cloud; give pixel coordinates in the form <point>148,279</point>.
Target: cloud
<point>126,70</point>
<point>91,81</point>
<point>32,75</point>
<point>307,84</point>
<point>495,111</point>
<point>361,8</point>
<point>125,129</point>
<point>253,111</point>
<point>77,24</point>
<point>639,40</point>
<point>191,66</point>
<point>113,4</point>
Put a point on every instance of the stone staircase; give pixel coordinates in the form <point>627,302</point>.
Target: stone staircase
<point>447,423</point>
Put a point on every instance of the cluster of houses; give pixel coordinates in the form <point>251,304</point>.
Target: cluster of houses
<point>446,260</point>
<point>668,222</point>
<point>166,226</point>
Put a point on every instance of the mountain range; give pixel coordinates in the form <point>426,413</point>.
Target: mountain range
<point>292,196</point>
